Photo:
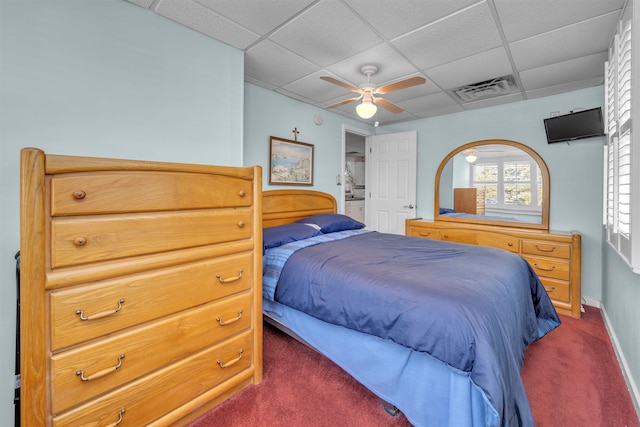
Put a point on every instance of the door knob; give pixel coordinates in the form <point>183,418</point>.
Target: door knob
<point>409,206</point>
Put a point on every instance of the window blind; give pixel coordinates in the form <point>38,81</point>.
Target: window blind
<point>619,203</point>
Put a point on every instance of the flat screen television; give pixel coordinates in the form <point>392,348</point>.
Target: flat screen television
<point>578,125</point>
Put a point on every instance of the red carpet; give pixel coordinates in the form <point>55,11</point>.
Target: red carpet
<point>571,376</point>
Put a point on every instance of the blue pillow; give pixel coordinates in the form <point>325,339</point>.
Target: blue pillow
<point>282,234</point>
<point>444,211</point>
<point>330,223</point>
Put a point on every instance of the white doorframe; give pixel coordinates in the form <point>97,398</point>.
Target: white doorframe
<point>347,129</point>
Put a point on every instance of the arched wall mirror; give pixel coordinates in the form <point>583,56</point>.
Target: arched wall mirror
<point>493,182</point>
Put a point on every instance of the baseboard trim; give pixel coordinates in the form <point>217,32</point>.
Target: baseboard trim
<point>592,302</point>
<point>626,372</point>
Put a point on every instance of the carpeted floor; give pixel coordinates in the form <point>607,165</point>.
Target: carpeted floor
<point>571,376</point>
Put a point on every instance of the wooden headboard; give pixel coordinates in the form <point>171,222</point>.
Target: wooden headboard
<point>287,206</point>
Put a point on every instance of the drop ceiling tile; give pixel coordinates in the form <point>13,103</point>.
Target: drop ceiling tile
<point>288,44</point>
<point>465,33</point>
<point>326,33</point>
<point>274,65</point>
<point>257,82</point>
<point>565,87</point>
<point>312,87</point>
<point>142,3</point>
<point>392,19</point>
<point>259,16</point>
<point>490,102</point>
<point>294,95</point>
<point>574,41</point>
<point>472,69</point>
<point>440,111</point>
<point>431,102</point>
<point>577,69</point>
<point>387,118</point>
<point>522,19</point>
<point>391,66</point>
<point>205,21</point>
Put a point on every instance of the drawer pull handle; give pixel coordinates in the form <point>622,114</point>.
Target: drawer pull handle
<point>551,289</point>
<point>79,195</point>
<point>510,244</point>
<point>230,279</point>
<point>120,414</point>
<point>228,322</point>
<point>231,362</point>
<point>101,373</point>
<point>80,241</point>
<point>240,224</point>
<point>102,313</point>
<point>427,234</point>
<point>446,236</point>
<point>553,248</point>
<point>553,267</point>
<point>242,193</point>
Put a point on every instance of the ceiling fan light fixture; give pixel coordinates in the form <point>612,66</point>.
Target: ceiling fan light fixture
<point>367,90</point>
<point>366,109</point>
<point>471,156</point>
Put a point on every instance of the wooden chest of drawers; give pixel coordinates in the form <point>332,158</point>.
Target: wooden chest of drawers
<point>555,257</point>
<point>469,200</point>
<point>140,289</point>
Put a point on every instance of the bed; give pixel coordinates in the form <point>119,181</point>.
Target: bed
<point>423,324</point>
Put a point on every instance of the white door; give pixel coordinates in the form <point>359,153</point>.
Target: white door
<point>391,181</point>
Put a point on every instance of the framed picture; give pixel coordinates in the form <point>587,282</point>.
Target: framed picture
<point>291,162</point>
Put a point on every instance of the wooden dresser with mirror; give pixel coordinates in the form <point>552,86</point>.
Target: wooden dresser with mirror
<point>515,182</point>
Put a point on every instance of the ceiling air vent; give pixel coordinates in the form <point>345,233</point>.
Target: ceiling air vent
<point>486,89</point>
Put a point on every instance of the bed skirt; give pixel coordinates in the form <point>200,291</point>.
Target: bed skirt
<point>426,390</point>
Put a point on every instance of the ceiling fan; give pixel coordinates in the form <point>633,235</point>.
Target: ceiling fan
<point>367,91</point>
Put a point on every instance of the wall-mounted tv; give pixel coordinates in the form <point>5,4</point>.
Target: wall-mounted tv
<point>576,125</point>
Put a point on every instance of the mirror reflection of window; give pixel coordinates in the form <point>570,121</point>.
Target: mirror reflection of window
<point>508,184</point>
<point>510,175</point>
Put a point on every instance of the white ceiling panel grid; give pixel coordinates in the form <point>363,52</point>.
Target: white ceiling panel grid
<point>548,46</point>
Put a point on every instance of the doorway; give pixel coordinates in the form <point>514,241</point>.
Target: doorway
<point>388,183</point>
<point>353,177</point>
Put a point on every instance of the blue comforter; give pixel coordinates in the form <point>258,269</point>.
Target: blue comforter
<point>474,308</point>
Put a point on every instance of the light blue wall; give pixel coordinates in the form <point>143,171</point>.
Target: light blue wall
<point>267,113</point>
<point>110,79</point>
<point>621,294</point>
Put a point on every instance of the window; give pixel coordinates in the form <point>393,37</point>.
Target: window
<point>621,210</point>
<point>508,183</point>
<point>485,176</point>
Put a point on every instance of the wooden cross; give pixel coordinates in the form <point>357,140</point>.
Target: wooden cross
<point>295,133</point>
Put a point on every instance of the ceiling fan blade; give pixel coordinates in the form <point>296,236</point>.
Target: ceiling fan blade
<point>340,83</point>
<point>388,105</point>
<point>402,84</point>
<point>346,101</point>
